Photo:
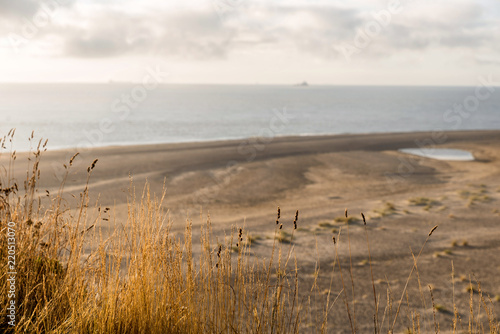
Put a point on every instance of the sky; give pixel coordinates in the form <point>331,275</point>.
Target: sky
<point>366,42</point>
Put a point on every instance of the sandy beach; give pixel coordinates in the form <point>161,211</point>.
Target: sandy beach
<point>241,182</point>
<point>320,175</point>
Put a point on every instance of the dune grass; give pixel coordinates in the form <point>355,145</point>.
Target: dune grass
<point>387,210</point>
<point>426,202</point>
<point>143,278</point>
<point>345,220</point>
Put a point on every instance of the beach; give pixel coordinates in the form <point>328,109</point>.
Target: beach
<point>249,178</point>
<point>242,182</point>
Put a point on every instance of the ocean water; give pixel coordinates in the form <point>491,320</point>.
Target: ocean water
<point>85,115</point>
<point>440,153</point>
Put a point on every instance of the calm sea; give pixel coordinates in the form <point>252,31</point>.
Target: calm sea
<point>80,115</point>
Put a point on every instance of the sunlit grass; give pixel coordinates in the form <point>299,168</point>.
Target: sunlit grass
<point>143,278</point>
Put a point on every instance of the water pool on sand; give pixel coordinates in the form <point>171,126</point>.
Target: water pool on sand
<point>440,153</point>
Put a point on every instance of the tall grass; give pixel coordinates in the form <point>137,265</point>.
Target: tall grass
<point>72,276</point>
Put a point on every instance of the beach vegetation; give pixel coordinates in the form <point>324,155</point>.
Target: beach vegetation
<point>473,197</point>
<point>283,237</point>
<point>442,208</point>
<point>346,220</point>
<point>440,308</point>
<point>326,224</point>
<point>387,210</point>
<point>253,239</point>
<point>75,275</point>
<point>426,202</point>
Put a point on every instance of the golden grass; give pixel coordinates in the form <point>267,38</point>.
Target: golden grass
<point>387,210</point>
<point>253,239</point>
<point>475,196</point>
<point>143,278</point>
<point>326,224</point>
<point>283,237</point>
<point>426,202</point>
<point>345,220</point>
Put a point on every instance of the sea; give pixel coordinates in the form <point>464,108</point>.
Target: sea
<point>91,115</point>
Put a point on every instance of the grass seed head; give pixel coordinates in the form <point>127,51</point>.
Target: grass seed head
<point>295,220</point>
<point>92,166</point>
<point>73,158</point>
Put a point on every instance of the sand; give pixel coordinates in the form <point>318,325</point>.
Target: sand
<point>241,182</point>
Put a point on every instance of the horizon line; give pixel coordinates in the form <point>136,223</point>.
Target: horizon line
<point>111,82</point>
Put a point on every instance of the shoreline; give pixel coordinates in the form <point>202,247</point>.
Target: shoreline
<point>251,176</point>
<point>178,158</point>
<point>209,142</point>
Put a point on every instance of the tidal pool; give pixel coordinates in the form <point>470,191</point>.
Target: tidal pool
<point>440,153</point>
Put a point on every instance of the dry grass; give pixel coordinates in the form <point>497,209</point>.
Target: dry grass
<point>440,308</point>
<point>72,278</point>
<point>346,220</point>
<point>442,208</point>
<point>142,279</point>
<point>387,210</point>
<point>471,288</point>
<point>475,195</point>
<point>326,224</point>
<point>253,239</point>
<point>283,237</point>
<point>426,202</point>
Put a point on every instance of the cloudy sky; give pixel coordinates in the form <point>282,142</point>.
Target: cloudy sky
<point>365,42</point>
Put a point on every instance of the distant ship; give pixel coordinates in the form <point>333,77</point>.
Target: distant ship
<point>303,84</point>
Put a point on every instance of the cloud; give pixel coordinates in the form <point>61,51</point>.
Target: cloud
<point>198,35</point>
<point>439,27</point>
<point>16,8</point>
<point>315,30</point>
<point>99,30</point>
<point>487,60</point>
<point>105,35</point>
<point>12,9</point>
<point>193,35</point>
